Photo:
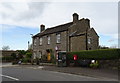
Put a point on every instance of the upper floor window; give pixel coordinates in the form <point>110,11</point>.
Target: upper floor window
<point>41,41</point>
<point>58,38</point>
<point>48,39</point>
<point>89,40</point>
<point>35,41</point>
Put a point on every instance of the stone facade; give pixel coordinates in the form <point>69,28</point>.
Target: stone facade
<point>73,36</point>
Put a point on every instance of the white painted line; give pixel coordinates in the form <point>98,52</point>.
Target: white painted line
<point>9,77</point>
<point>40,67</point>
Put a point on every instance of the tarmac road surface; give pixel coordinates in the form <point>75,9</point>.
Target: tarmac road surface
<point>37,74</point>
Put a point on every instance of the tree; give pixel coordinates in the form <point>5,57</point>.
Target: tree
<point>29,55</point>
<point>5,48</point>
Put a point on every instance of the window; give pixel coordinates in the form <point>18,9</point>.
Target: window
<point>41,41</point>
<point>58,38</point>
<point>89,40</point>
<point>48,39</point>
<point>35,42</point>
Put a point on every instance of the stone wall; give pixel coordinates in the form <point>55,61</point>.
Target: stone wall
<point>53,38</point>
<point>94,39</point>
<point>78,43</point>
<point>109,64</point>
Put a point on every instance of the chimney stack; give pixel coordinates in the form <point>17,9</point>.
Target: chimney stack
<point>75,17</point>
<point>42,27</point>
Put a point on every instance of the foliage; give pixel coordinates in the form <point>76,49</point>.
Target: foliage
<point>7,58</point>
<point>5,48</point>
<point>28,55</point>
<point>22,52</point>
<point>95,65</point>
<point>102,54</point>
<point>26,60</point>
<point>14,62</point>
<point>14,55</point>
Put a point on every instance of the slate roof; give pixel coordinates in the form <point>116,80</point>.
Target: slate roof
<point>56,29</point>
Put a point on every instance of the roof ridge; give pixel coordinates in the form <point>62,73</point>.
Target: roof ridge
<point>60,25</point>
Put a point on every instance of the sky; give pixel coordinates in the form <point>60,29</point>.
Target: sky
<point>22,18</point>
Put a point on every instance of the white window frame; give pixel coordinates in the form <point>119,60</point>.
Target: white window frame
<point>89,40</point>
<point>40,40</point>
<point>48,39</point>
<point>58,38</point>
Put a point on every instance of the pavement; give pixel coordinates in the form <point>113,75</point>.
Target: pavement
<point>97,73</point>
<point>90,72</point>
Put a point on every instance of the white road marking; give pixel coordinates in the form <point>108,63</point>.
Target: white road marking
<point>40,67</point>
<point>9,77</point>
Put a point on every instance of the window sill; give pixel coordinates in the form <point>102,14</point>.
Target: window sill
<point>58,43</point>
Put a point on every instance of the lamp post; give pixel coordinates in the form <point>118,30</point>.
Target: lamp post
<point>28,45</point>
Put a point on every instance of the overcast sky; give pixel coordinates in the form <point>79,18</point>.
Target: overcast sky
<point>20,19</point>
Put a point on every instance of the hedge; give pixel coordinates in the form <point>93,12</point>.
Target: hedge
<point>7,58</point>
<point>102,54</point>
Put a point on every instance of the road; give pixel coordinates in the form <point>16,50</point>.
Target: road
<point>19,73</point>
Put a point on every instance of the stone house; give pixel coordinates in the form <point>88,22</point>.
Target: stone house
<point>73,36</point>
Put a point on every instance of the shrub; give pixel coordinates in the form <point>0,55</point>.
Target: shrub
<point>28,55</point>
<point>95,65</point>
<point>25,60</point>
<point>14,55</point>
<point>43,58</point>
<point>7,58</point>
<point>102,54</point>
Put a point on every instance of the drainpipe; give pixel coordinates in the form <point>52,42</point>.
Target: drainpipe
<point>69,44</point>
<point>86,41</point>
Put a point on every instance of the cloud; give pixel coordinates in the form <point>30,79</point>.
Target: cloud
<point>103,15</point>
<point>35,9</point>
<point>22,13</point>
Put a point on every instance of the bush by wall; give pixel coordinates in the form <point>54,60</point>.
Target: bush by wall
<point>102,54</point>
<point>26,60</point>
<point>7,58</point>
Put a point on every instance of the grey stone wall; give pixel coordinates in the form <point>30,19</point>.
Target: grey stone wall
<point>94,39</point>
<point>109,64</point>
<point>78,43</point>
<point>53,43</point>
